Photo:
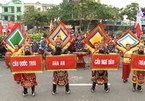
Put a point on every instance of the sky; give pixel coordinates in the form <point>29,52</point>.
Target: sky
<point>116,3</point>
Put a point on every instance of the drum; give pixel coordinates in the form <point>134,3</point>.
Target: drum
<point>7,58</point>
<point>80,59</point>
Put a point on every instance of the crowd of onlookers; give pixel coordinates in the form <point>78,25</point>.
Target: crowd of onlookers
<point>77,45</point>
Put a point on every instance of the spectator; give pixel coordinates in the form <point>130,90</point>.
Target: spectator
<point>79,45</point>
<point>35,46</point>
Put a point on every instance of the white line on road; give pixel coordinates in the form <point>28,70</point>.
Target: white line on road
<point>82,84</point>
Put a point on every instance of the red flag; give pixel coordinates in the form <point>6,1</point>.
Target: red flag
<point>138,26</point>
<point>9,26</point>
<point>0,28</point>
<point>138,30</point>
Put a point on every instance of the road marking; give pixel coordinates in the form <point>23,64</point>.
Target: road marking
<point>83,84</point>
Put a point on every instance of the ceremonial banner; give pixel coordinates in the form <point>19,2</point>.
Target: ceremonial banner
<point>105,61</point>
<point>61,62</point>
<point>26,64</point>
<point>138,62</point>
<point>62,31</point>
<point>16,37</point>
<point>128,38</point>
<point>96,35</point>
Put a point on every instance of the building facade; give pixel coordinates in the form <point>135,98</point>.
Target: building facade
<point>80,0</point>
<point>12,10</point>
<point>38,6</point>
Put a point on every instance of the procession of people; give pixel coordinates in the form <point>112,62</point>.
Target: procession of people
<point>77,44</point>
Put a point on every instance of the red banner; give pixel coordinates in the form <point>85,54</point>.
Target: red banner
<point>61,62</point>
<point>0,27</point>
<point>26,64</point>
<point>138,62</point>
<point>105,61</point>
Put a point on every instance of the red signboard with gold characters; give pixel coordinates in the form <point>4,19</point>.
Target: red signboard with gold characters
<point>105,61</point>
<point>26,64</point>
<point>138,62</point>
<point>61,62</point>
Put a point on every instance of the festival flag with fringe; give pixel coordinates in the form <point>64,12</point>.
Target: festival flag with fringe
<point>61,31</point>
<point>17,36</point>
<point>128,37</point>
<point>96,35</point>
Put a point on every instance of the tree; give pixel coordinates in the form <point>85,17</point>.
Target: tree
<point>33,18</point>
<point>29,17</point>
<point>66,10</point>
<point>53,12</point>
<point>41,20</point>
<point>90,10</point>
<point>87,13</point>
<point>84,11</point>
<point>130,11</point>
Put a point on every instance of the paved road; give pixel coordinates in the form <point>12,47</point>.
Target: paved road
<point>10,91</point>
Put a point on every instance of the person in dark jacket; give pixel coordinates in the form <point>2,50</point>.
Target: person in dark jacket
<point>35,46</point>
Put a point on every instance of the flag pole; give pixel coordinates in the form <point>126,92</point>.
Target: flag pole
<point>141,12</point>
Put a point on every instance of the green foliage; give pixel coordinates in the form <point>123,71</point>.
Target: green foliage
<point>35,18</point>
<point>53,12</point>
<point>28,17</point>
<point>130,11</point>
<point>36,36</point>
<point>66,10</point>
<point>85,10</point>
